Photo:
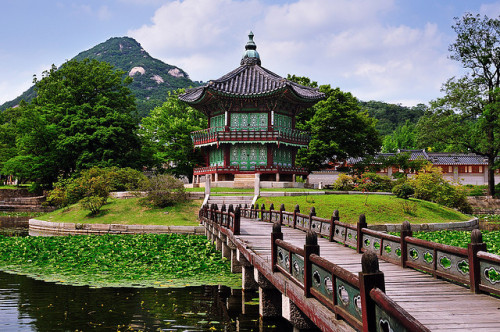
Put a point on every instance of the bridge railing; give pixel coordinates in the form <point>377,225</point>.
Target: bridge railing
<point>358,299</point>
<point>473,267</point>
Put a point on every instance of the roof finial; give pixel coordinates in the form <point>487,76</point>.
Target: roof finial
<point>251,56</point>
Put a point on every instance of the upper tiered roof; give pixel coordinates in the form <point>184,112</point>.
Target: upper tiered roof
<point>250,80</point>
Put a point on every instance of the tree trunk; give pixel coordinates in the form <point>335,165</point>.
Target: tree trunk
<point>491,176</point>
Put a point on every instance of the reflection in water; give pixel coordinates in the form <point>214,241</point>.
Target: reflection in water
<point>31,305</point>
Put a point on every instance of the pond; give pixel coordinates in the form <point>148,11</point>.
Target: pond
<point>27,304</point>
<point>32,305</point>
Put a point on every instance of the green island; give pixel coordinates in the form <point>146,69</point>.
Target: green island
<point>378,209</point>
<point>130,212</point>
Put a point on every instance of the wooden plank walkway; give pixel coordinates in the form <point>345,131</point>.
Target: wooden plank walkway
<point>437,304</point>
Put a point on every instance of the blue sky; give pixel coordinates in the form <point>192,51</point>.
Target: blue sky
<point>388,50</point>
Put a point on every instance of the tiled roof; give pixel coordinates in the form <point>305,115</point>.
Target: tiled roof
<point>251,80</point>
<point>456,159</point>
<point>436,158</point>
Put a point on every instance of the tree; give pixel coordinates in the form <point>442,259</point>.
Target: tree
<point>404,137</point>
<point>468,116</point>
<point>83,116</point>
<point>168,131</point>
<point>339,129</point>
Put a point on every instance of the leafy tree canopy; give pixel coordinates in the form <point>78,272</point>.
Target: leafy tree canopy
<point>168,129</point>
<point>83,116</point>
<point>468,116</point>
<point>338,127</point>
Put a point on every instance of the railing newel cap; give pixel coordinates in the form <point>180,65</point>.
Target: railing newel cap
<point>312,211</point>
<point>362,218</point>
<point>297,208</point>
<point>406,226</point>
<point>276,227</point>
<point>282,207</point>
<point>271,207</point>
<point>476,236</point>
<point>311,238</point>
<point>369,262</point>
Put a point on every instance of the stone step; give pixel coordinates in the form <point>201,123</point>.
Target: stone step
<point>244,176</point>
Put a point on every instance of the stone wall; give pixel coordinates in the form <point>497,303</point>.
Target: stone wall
<point>11,193</point>
<point>48,228</point>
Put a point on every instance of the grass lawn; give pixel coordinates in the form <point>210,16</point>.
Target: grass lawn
<point>379,209</point>
<point>129,212</point>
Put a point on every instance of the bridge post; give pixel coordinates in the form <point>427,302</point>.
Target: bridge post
<point>271,210</point>
<point>276,234</point>
<point>312,213</point>
<point>335,217</point>
<point>295,211</point>
<point>262,210</point>
<point>359,229</point>
<point>282,208</point>
<point>370,277</point>
<point>310,247</point>
<point>474,247</point>
<point>237,221</point>
<point>405,231</point>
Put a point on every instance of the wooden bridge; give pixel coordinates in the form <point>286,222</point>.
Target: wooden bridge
<point>311,271</point>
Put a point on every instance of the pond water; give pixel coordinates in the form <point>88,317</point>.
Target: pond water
<point>32,305</point>
<point>27,304</point>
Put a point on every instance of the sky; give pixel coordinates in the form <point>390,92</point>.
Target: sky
<point>394,51</point>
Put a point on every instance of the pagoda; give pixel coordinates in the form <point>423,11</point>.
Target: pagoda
<point>251,124</point>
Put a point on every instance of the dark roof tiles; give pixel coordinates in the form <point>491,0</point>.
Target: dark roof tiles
<point>251,80</point>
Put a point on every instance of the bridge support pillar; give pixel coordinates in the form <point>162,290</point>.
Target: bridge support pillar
<point>218,242</point>
<point>233,256</point>
<point>295,316</point>
<point>247,273</point>
<point>269,297</point>
<point>226,251</point>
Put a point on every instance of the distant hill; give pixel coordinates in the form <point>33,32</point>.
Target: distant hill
<point>391,116</point>
<point>152,78</point>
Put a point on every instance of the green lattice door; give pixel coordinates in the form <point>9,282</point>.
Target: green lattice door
<point>248,156</point>
<point>217,122</point>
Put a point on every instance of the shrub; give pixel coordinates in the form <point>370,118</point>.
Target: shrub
<point>93,203</point>
<point>373,182</point>
<point>344,182</point>
<point>94,182</point>
<point>164,190</point>
<point>430,185</point>
<point>409,207</point>
<point>403,190</point>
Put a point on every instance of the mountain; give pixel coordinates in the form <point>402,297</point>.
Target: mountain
<point>152,78</point>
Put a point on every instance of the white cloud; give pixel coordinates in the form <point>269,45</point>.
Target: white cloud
<point>492,10</point>
<point>345,43</point>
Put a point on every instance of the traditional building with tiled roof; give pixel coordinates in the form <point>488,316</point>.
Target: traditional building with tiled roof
<point>251,117</point>
<point>463,168</point>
